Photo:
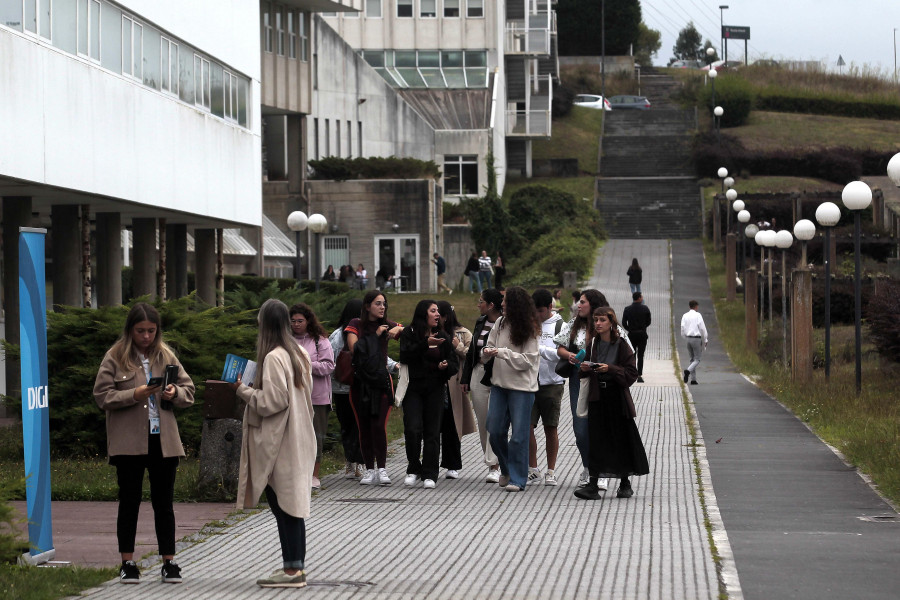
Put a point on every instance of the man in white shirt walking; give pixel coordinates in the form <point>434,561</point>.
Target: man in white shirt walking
<point>693,329</point>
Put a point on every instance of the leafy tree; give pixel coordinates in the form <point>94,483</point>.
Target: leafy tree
<point>688,42</point>
<point>578,26</point>
<point>715,55</point>
<point>647,46</point>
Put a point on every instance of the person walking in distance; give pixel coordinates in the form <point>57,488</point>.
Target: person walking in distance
<point>635,275</point>
<point>485,270</point>
<point>441,266</point>
<point>548,398</point>
<point>472,272</point>
<point>693,329</point>
<point>636,320</point>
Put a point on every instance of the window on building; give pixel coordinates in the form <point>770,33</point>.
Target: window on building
<point>267,24</point>
<point>349,140</point>
<point>292,35</point>
<point>428,9</point>
<point>231,92</point>
<point>405,8</point>
<point>279,31</point>
<point>202,92</point>
<point>474,8</point>
<point>36,17</point>
<point>359,138</point>
<point>168,66</point>
<point>460,175</point>
<point>132,47</point>
<point>304,37</point>
<point>316,138</point>
<point>451,8</point>
<point>350,14</point>
<point>88,17</point>
<point>327,138</point>
<point>337,137</point>
<point>373,9</point>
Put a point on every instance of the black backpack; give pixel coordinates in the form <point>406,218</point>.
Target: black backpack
<point>369,365</point>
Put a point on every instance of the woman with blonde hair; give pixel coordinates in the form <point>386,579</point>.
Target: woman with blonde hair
<point>142,432</point>
<point>278,449</point>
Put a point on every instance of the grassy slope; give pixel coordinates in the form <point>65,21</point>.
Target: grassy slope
<point>771,131</point>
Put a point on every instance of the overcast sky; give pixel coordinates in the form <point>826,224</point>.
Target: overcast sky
<point>861,31</point>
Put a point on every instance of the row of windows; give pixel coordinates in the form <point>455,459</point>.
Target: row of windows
<point>428,9</point>
<point>286,31</point>
<point>460,175</point>
<point>119,42</point>
<point>434,69</point>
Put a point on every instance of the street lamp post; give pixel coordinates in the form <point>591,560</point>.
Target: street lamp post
<point>893,171</point>
<point>769,242</point>
<point>758,238</point>
<point>804,230</point>
<point>784,240</point>
<point>743,217</point>
<point>801,308</point>
<point>857,196</point>
<point>828,214</point>
<point>730,195</point>
<point>717,114</point>
<point>297,221</point>
<point>722,9</point>
<point>712,77</point>
<point>317,224</point>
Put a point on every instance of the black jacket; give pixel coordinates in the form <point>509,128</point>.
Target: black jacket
<point>636,318</point>
<point>474,354</point>
<point>472,265</point>
<point>413,353</point>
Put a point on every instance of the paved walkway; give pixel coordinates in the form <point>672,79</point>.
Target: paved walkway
<point>468,539</point>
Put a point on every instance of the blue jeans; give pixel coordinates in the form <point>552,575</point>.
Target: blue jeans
<point>511,407</point>
<point>579,424</point>
<point>485,279</point>
<point>635,287</point>
<point>473,277</point>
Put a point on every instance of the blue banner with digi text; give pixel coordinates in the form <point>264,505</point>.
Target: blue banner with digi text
<point>35,396</point>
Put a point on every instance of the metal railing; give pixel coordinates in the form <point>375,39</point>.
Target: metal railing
<point>535,121</point>
<point>531,35</point>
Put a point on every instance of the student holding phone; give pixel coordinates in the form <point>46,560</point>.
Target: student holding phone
<point>142,432</point>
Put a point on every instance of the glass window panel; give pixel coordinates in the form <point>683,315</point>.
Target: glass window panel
<point>474,8</point>
<point>404,8</point>
<point>433,78</point>
<point>186,75</point>
<point>111,50</point>
<point>242,102</point>
<point>451,8</point>
<point>411,77</point>
<point>279,32</point>
<point>30,18</point>
<point>429,59</point>
<point>217,98</point>
<point>267,24</point>
<point>393,78</point>
<point>82,26</point>
<point>11,14</point>
<point>44,17</point>
<point>455,78</point>
<point>373,9</point>
<point>452,59</point>
<point>405,58</point>
<point>375,58</point>
<point>476,78</point>
<point>428,8</point>
<point>65,26</point>
<point>126,46</point>
<point>138,50</point>
<point>173,67</point>
<point>469,174</point>
<point>476,59</point>
<point>154,68</point>
<point>292,35</point>
<point>94,33</point>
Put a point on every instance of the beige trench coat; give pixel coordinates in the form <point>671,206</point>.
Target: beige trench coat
<point>463,415</point>
<point>127,420</point>
<point>279,445</point>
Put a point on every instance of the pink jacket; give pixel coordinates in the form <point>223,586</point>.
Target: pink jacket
<point>322,361</point>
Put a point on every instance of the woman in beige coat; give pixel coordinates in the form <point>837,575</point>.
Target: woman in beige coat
<point>142,433</point>
<point>459,418</point>
<point>278,448</point>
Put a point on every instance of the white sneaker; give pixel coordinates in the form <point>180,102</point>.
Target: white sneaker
<point>585,477</point>
<point>452,474</point>
<point>350,471</point>
<point>383,478</point>
<point>370,478</point>
<point>429,484</point>
<point>602,483</point>
<point>493,476</point>
<point>411,479</point>
<point>534,476</point>
<point>549,477</point>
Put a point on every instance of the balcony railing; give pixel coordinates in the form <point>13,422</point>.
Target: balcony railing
<point>534,121</point>
<point>531,36</point>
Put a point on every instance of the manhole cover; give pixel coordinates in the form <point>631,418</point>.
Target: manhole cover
<point>369,500</point>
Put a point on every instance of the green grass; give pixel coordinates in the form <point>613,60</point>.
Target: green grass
<point>772,131</point>
<point>33,583</point>
<point>866,429</point>
<point>577,135</point>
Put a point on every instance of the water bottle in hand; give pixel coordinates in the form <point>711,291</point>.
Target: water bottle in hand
<point>579,358</point>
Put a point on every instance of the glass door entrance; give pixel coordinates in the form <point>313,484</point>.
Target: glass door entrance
<point>397,263</point>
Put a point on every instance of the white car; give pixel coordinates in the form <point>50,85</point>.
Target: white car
<point>592,101</point>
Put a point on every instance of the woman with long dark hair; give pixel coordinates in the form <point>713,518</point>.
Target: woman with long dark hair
<point>513,344</point>
<point>459,418</point>
<point>142,433</point>
<point>616,449</point>
<point>371,394</point>
<point>476,376</point>
<point>355,466</point>
<point>278,448</point>
<point>310,335</point>
<point>635,275</point>
<point>426,350</point>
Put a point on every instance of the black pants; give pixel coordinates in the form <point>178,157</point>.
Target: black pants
<point>372,429</point>
<point>451,447</point>
<point>423,408</point>
<point>291,533</point>
<point>639,339</point>
<point>349,428</point>
<point>130,476</point>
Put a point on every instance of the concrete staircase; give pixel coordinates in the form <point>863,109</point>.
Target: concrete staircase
<point>646,188</point>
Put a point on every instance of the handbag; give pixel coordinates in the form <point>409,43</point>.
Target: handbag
<point>343,367</point>
<point>564,368</point>
<point>402,384</point>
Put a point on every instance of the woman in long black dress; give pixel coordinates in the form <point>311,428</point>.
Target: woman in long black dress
<point>616,449</point>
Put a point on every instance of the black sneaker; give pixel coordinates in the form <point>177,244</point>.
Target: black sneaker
<point>588,492</point>
<point>171,572</point>
<point>625,491</point>
<point>129,573</point>
<point>686,375</point>
<point>640,379</point>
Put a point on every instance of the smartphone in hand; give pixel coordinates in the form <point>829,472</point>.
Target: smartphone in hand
<point>155,382</point>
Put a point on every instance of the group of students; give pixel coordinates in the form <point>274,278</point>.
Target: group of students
<point>499,379</point>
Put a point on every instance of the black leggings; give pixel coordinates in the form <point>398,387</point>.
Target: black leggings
<point>291,533</point>
<point>130,475</point>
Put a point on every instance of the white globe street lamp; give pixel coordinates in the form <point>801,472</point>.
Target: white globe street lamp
<point>297,221</point>
<point>828,214</point>
<point>857,196</point>
<point>731,193</point>
<point>718,111</point>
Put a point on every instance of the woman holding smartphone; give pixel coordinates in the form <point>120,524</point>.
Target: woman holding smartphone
<point>616,449</point>
<point>278,449</point>
<point>142,432</point>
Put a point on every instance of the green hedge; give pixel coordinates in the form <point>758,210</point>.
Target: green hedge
<point>802,101</point>
<point>375,167</point>
<point>735,95</point>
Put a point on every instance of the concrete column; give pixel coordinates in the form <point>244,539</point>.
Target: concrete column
<point>16,213</point>
<point>730,270</point>
<point>801,325</point>
<point>176,261</point>
<point>751,322</point>
<point>205,264</point>
<point>143,244</point>
<point>109,259</point>
<point>65,235</point>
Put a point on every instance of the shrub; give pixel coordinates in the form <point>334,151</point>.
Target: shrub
<point>735,95</point>
<point>567,248</point>
<point>562,101</point>
<point>11,547</point>
<point>883,318</point>
<point>375,167</point>
<point>814,102</point>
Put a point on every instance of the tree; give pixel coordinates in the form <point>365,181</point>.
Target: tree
<point>688,43</point>
<point>715,55</point>
<point>647,46</point>
<point>578,26</point>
